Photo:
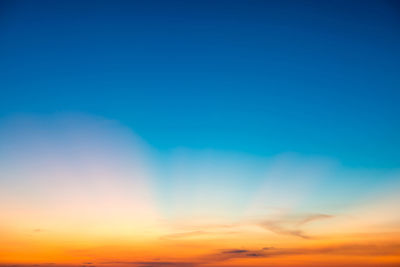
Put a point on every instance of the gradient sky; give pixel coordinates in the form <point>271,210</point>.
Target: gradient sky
<point>235,131</point>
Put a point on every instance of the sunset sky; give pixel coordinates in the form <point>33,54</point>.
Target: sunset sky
<point>200,133</point>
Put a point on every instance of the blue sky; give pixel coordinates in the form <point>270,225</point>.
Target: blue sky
<point>253,77</point>
<point>269,130</point>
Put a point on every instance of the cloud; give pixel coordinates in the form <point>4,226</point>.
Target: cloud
<point>216,231</point>
<point>286,225</point>
<point>274,226</point>
<point>365,250</point>
<point>227,254</point>
<point>152,263</point>
<point>314,217</point>
<point>184,235</point>
<point>345,249</point>
<point>244,253</point>
<point>235,251</point>
<point>291,225</point>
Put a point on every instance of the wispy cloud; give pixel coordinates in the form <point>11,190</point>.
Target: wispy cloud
<point>291,226</point>
<point>227,254</point>
<point>366,250</point>
<point>184,235</point>
<point>151,263</point>
<point>278,229</point>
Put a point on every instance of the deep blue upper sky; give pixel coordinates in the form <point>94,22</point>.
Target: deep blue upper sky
<point>257,77</point>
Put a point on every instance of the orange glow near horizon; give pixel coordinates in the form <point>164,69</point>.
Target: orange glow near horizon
<point>96,196</point>
<point>163,243</point>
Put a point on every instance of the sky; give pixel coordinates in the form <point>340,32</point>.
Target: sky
<point>199,133</point>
